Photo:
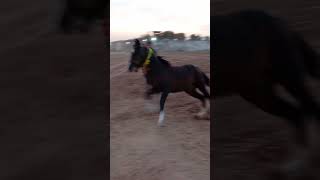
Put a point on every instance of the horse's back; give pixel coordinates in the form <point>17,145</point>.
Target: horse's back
<point>240,33</point>
<point>245,48</point>
<point>183,69</point>
<point>182,78</point>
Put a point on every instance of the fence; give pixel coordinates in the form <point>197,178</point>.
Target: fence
<point>165,45</point>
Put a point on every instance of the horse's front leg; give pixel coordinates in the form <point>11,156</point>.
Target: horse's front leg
<point>149,92</point>
<point>163,98</point>
<point>149,106</point>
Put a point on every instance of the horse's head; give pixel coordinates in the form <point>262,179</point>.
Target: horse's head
<point>138,56</point>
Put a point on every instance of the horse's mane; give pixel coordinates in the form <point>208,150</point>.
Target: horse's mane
<point>163,61</point>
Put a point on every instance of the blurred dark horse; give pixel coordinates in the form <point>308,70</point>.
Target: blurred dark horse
<point>166,79</point>
<point>253,53</point>
<point>81,14</point>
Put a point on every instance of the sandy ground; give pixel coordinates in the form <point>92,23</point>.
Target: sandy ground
<point>140,150</point>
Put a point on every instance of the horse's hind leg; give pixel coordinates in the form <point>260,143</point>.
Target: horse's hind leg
<point>266,100</point>
<point>202,98</point>
<point>307,102</point>
<point>309,106</point>
<point>206,95</point>
<point>295,84</point>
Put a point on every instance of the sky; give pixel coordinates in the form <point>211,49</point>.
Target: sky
<point>133,18</point>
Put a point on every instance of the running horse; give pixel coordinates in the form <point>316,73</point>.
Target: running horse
<point>255,52</point>
<point>165,78</point>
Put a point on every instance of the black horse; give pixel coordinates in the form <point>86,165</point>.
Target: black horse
<point>166,79</point>
<point>254,53</point>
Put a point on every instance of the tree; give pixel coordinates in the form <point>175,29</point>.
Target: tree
<point>180,36</point>
<point>166,35</point>
<point>194,37</point>
<point>207,38</point>
<point>145,36</point>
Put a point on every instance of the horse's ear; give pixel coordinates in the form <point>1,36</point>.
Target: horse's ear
<point>136,43</point>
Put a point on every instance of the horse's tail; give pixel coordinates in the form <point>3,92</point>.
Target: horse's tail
<point>206,79</point>
<point>201,75</point>
<point>311,59</point>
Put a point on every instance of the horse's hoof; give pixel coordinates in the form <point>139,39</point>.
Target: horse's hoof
<point>161,119</point>
<point>196,116</point>
<point>160,125</point>
<point>201,116</point>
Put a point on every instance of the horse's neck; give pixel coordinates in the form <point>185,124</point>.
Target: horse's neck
<point>155,68</point>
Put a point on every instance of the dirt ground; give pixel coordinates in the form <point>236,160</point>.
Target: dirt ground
<point>140,150</point>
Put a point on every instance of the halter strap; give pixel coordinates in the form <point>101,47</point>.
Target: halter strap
<point>147,61</point>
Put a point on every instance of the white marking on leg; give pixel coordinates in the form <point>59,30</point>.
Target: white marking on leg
<point>161,118</point>
<point>202,112</point>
